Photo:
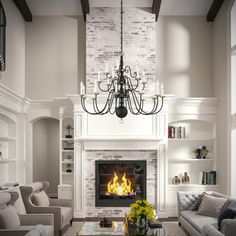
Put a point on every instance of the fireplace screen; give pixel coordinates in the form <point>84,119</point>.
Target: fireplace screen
<point>120,183</point>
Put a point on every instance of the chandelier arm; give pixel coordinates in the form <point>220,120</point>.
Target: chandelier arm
<point>105,106</point>
<point>137,104</point>
<point>162,103</point>
<point>84,106</point>
<point>129,71</point>
<point>110,106</point>
<point>130,85</point>
<point>131,108</point>
<point>108,87</point>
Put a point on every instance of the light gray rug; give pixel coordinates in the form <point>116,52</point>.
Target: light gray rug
<point>172,229</point>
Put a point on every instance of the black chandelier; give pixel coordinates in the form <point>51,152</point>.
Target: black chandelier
<point>124,90</point>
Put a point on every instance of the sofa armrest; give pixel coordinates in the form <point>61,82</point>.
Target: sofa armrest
<point>210,230</point>
<point>56,211</point>
<point>35,219</point>
<point>11,232</point>
<point>228,227</point>
<point>60,202</point>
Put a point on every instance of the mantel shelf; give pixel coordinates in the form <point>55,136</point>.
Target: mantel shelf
<point>189,139</point>
<point>118,139</point>
<point>7,160</point>
<point>191,160</point>
<point>7,139</point>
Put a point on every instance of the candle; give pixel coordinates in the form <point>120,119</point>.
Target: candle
<point>144,77</point>
<point>106,69</point>
<point>113,74</point>
<point>157,88</point>
<point>137,68</point>
<point>99,75</point>
<point>95,89</point>
<point>81,88</point>
<point>162,89</point>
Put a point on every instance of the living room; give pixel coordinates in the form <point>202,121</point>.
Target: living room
<point>112,102</point>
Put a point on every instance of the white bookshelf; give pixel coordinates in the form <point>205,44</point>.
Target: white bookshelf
<point>8,148</point>
<point>65,188</point>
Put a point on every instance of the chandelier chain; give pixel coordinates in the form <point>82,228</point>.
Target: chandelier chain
<point>121,27</point>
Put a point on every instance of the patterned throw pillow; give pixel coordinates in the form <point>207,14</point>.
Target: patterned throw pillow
<point>197,202</point>
<point>41,199</point>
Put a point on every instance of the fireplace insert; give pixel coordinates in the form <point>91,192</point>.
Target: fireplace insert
<point>120,183</point>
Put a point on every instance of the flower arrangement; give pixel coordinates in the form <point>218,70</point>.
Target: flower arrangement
<point>139,210</point>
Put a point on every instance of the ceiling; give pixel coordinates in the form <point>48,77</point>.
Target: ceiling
<point>73,7</point>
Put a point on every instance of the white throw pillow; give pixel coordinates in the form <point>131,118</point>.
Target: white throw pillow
<point>41,199</point>
<point>211,206</point>
<point>9,218</point>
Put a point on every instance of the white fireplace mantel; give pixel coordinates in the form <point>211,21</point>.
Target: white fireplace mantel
<point>106,133</point>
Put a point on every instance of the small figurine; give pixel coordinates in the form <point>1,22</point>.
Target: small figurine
<point>68,129</point>
<point>68,168</point>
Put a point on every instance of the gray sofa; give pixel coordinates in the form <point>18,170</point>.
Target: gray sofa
<point>196,225</point>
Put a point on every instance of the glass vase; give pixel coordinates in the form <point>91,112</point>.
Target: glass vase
<point>142,226</point>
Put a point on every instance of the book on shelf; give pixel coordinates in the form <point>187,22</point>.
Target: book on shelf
<point>176,132</point>
<point>207,178</point>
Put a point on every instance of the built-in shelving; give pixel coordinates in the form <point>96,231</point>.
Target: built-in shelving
<point>192,160</point>
<point>65,189</point>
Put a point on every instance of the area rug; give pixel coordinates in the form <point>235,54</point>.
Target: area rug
<point>172,229</point>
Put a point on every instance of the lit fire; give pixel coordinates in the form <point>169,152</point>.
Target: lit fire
<point>113,187</point>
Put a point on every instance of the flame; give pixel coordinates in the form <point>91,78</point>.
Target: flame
<point>113,187</point>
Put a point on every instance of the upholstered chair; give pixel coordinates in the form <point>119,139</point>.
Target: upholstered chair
<point>36,201</point>
<point>13,224</point>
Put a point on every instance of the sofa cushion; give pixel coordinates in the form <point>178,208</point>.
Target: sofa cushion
<point>40,199</point>
<point>9,218</point>
<point>211,206</point>
<point>198,221</point>
<point>18,204</point>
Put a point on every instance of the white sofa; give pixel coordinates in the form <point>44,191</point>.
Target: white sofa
<point>197,225</point>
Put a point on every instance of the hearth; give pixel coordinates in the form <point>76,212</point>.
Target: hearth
<point>120,183</point>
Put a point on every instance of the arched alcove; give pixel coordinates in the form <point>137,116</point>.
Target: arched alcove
<point>46,153</point>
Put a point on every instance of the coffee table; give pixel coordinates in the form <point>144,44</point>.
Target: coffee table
<point>91,228</point>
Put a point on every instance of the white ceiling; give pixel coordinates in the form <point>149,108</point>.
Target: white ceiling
<point>73,7</point>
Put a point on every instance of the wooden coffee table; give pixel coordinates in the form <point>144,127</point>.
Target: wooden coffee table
<point>91,228</point>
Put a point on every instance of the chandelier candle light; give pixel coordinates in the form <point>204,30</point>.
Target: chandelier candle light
<point>124,90</point>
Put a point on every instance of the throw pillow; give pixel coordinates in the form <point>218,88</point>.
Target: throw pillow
<point>40,199</point>
<point>211,206</point>
<point>9,218</point>
<point>226,213</point>
<point>197,203</point>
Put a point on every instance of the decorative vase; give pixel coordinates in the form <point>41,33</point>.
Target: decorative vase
<point>142,226</point>
<point>176,180</point>
<point>185,178</point>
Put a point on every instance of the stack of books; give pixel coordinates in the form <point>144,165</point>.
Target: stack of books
<point>207,178</point>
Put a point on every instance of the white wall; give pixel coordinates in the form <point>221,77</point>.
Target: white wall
<point>14,76</point>
<point>46,152</point>
<point>184,55</point>
<point>54,56</point>
<point>221,87</point>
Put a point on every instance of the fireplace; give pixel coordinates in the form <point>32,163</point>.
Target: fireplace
<point>120,183</point>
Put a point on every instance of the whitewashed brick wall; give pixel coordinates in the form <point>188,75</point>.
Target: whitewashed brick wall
<point>103,39</point>
<point>89,178</point>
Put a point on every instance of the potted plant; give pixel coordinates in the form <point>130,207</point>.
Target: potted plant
<point>141,212</point>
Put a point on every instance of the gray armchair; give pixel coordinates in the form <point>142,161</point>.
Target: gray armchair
<point>60,208</point>
<point>18,225</point>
